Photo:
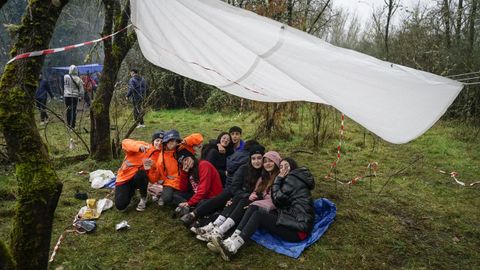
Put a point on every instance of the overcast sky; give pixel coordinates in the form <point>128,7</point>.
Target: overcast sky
<point>364,8</point>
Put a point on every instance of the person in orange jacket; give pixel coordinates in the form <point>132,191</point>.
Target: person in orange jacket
<point>192,143</point>
<point>169,162</point>
<point>138,168</point>
<point>168,169</point>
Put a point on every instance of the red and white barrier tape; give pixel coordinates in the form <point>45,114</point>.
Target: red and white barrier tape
<point>454,176</point>
<point>334,164</point>
<point>59,242</point>
<point>373,166</point>
<point>62,49</point>
<point>230,81</point>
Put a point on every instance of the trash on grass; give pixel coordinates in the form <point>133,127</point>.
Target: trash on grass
<point>122,226</point>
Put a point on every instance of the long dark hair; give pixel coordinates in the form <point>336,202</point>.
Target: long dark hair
<point>252,175</point>
<point>293,164</point>
<point>213,145</point>
<point>194,170</point>
<point>268,178</point>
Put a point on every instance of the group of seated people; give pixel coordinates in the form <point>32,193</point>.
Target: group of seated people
<point>234,188</point>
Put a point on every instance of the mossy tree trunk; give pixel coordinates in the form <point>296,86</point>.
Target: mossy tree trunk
<point>38,186</point>
<point>115,51</point>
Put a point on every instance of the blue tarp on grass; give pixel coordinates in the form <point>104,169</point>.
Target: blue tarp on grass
<point>325,212</point>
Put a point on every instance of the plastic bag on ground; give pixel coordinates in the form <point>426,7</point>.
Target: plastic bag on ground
<point>100,178</point>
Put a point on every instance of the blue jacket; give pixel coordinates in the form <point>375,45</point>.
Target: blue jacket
<point>42,90</point>
<point>237,159</point>
<point>240,146</point>
<point>137,87</point>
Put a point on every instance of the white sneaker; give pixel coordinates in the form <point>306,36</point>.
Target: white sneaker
<point>207,237</point>
<point>139,126</point>
<point>205,229</point>
<point>212,247</point>
<point>42,123</point>
<point>160,202</point>
<point>142,205</point>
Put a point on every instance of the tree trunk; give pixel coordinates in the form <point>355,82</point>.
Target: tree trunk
<point>38,186</point>
<point>6,261</point>
<point>473,16</point>
<point>446,20</point>
<point>290,12</point>
<point>458,26</point>
<point>387,27</point>
<point>115,51</point>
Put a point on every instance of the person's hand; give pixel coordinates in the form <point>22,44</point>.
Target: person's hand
<point>144,148</point>
<point>253,197</point>
<point>229,202</point>
<point>147,163</point>
<point>221,149</point>
<point>187,163</point>
<point>126,98</point>
<point>284,171</point>
<point>183,204</point>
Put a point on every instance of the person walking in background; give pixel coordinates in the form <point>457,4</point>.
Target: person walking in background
<point>89,85</point>
<point>41,97</point>
<point>137,89</point>
<point>72,92</point>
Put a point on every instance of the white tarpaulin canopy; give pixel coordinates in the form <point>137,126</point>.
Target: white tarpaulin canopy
<point>260,59</point>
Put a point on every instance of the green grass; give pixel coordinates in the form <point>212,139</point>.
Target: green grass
<point>421,220</point>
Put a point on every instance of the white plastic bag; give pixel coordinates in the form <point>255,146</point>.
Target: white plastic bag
<point>99,178</point>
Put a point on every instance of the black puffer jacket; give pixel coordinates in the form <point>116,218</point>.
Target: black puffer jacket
<point>291,195</point>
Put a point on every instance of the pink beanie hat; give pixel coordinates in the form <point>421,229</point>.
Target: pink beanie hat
<point>273,156</point>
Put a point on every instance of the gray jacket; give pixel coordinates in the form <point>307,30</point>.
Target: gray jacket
<point>72,83</point>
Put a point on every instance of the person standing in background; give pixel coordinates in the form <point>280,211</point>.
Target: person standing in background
<point>137,89</point>
<point>72,92</point>
<point>41,97</point>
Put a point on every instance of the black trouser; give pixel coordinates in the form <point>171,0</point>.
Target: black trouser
<point>256,218</point>
<point>137,110</point>
<point>71,103</point>
<point>236,210</point>
<point>214,204</point>
<point>171,196</point>
<point>86,96</point>
<point>42,106</point>
<point>125,192</point>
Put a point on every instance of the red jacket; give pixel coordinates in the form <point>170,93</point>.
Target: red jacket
<point>208,186</point>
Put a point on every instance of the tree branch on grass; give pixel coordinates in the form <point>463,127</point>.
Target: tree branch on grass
<point>400,171</point>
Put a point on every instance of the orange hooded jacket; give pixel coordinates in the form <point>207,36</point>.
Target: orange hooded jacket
<point>134,161</point>
<point>168,168</point>
<point>190,141</point>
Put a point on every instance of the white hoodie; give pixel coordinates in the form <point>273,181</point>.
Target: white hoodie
<point>71,88</point>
